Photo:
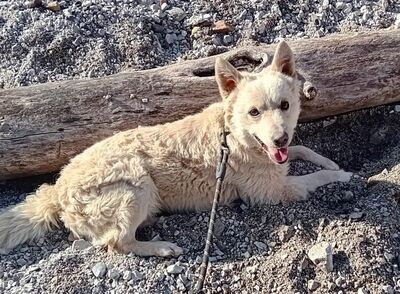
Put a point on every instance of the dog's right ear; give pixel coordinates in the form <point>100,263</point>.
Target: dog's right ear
<point>283,60</point>
<point>227,77</point>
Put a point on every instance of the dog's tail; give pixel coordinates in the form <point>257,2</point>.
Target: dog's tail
<point>30,219</point>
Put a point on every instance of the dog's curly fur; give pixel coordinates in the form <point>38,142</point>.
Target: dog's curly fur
<point>106,192</point>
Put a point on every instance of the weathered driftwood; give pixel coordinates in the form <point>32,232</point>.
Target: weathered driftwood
<point>43,126</point>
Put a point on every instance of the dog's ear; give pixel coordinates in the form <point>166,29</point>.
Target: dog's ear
<point>227,76</point>
<point>283,61</point>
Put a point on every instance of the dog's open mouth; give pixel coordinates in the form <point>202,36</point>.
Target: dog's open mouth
<point>277,155</point>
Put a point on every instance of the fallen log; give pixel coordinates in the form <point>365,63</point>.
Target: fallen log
<point>43,126</point>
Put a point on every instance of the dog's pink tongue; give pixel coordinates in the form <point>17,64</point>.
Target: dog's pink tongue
<point>280,154</point>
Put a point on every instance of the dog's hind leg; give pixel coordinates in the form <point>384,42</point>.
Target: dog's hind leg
<point>304,153</point>
<point>112,217</point>
<point>300,186</point>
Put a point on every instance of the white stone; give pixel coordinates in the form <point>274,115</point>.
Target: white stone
<point>322,254</point>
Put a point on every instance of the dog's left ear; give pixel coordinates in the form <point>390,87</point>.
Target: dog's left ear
<point>227,76</point>
<point>283,61</point>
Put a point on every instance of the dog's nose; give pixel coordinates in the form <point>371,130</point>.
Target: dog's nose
<point>282,140</point>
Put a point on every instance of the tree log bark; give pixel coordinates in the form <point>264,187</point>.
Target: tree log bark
<point>43,126</point>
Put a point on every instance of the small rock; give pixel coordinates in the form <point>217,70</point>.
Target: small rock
<point>34,3</point>
<point>21,262</point>
<point>99,269</point>
<point>388,289</point>
<point>348,196</point>
<point>170,38</point>
<point>397,108</point>
<point>322,254</point>
<point>246,254</point>
<point>228,39</point>
<point>340,281</point>
<point>177,13</point>
<point>260,245</point>
<point>53,6</point>
<point>127,275</point>
<point>362,290</point>
<point>114,274</point>
<point>356,215</point>
<point>325,3</point>
<point>196,32</point>
<point>200,20</point>
<point>137,276</point>
<point>286,233</point>
<point>313,285</point>
<point>180,285</point>
<point>389,257</point>
<point>174,269</point>
<point>164,6</point>
<point>331,286</point>
<point>221,27</point>
<point>81,245</point>
<point>252,269</point>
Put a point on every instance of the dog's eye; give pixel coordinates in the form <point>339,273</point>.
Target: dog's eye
<point>254,112</point>
<point>284,105</point>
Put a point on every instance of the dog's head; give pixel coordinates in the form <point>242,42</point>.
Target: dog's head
<point>261,110</point>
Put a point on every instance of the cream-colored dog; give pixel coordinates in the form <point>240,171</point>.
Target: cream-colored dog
<point>108,191</point>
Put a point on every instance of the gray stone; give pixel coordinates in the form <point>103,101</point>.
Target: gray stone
<point>127,275</point>
<point>170,38</point>
<point>114,274</point>
<point>177,13</point>
<point>388,289</point>
<point>313,285</point>
<point>174,269</point>
<point>260,245</point>
<point>99,269</point>
<point>137,276</point>
<point>81,245</point>
<point>285,233</point>
<point>362,290</point>
<point>227,39</point>
<point>356,215</point>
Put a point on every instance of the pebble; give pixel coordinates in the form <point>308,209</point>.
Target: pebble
<point>228,40</point>
<point>81,245</point>
<point>313,285</point>
<point>127,275</point>
<point>285,233</point>
<point>397,107</point>
<point>389,257</point>
<point>53,6</point>
<point>171,38</point>
<point>137,276</point>
<point>388,289</point>
<point>177,13</point>
<point>322,254</point>
<point>114,274</point>
<point>260,245</point>
<point>34,3</point>
<point>99,269</point>
<point>356,215</point>
<point>221,27</point>
<point>174,269</point>
<point>362,290</point>
<point>340,281</point>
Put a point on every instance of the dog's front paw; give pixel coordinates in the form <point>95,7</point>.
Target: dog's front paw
<point>329,164</point>
<point>343,176</point>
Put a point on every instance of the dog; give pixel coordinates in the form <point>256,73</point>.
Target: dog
<point>105,193</point>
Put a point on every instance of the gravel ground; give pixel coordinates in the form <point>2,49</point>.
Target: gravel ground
<point>92,38</point>
<point>345,239</point>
